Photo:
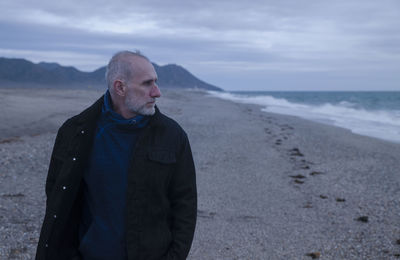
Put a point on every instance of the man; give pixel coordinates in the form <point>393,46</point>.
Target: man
<point>121,182</point>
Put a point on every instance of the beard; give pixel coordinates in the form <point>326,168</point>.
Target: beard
<point>139,107</point>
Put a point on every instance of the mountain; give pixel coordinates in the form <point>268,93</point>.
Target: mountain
<point>23,73</point>
<point>172,75</point>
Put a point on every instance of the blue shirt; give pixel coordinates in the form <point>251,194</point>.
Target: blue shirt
<point>102,228</point>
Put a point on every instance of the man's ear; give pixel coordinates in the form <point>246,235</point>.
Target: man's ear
<point>119,87</point>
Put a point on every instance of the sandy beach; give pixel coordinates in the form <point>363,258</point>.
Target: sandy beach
<point>269,186</point>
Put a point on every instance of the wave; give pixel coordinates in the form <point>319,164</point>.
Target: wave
<point>383,124</point>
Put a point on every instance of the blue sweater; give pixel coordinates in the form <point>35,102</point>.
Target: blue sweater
<point>102,228</point>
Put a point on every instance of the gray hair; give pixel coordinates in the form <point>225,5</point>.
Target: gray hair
<point>120,66</point>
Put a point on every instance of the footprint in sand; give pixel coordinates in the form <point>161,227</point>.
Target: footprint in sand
<point>296,152</point>
<point>315,173</point>
<point>267,130</point>
<point>298,176</point>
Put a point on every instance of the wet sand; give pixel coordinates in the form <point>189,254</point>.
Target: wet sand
<point>270,186</point>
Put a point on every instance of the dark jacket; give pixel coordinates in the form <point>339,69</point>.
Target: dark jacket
<point>161,195</point>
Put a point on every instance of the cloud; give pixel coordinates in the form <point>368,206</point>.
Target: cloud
<point>225,36</point>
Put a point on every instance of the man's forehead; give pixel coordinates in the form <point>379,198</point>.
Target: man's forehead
<point>142,68</point>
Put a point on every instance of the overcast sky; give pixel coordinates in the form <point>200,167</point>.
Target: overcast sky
<point>236,45</point>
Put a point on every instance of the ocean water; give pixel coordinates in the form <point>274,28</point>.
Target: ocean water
<point>375,114</point>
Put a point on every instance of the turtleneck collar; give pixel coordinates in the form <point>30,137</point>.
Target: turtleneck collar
<point>108,113</point>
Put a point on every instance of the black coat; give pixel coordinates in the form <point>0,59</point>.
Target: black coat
<point>161,195</point>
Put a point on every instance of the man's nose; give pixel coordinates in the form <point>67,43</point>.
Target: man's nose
<point>155,92</point>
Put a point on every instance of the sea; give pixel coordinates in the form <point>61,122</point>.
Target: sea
<point>369,113</point>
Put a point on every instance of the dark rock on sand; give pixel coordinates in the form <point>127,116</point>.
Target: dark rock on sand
<point>314,255</point>
<point>363,219</point>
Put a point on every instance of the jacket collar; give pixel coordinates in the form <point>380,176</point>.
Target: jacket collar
<point>91,113</point>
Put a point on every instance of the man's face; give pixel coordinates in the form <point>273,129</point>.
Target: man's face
<point>142,90</point>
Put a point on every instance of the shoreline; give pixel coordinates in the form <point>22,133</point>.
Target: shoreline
<point>270,186</point>
<point>376,123</point>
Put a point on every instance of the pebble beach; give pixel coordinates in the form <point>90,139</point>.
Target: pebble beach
<point>269,186</point>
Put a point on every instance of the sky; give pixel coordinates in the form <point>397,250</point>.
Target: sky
<point>236,45</point>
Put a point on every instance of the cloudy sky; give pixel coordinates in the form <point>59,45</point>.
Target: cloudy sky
<point>236,45</point>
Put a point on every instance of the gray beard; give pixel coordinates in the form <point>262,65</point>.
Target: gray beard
<point>140,110</point>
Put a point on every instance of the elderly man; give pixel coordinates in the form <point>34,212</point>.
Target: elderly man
<point>121,182</point>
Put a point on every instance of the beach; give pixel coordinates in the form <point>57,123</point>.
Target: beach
<point>269,186</point>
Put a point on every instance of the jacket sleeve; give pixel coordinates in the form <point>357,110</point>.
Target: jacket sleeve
<point>183,198</point>
<point>54,166</point>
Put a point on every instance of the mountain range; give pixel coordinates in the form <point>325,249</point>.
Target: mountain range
<point>24,73</point>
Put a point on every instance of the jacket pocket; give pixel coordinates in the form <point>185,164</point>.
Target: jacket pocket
<point>158,168</point>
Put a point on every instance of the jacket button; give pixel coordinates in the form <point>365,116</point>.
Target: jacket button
<point>47,245</point>
<point>64,188</point>
<point>83,131</point>
<point>74,159</point>
<point>55,216</point>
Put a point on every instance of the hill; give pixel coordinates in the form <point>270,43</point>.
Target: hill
<point>24,73</point>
